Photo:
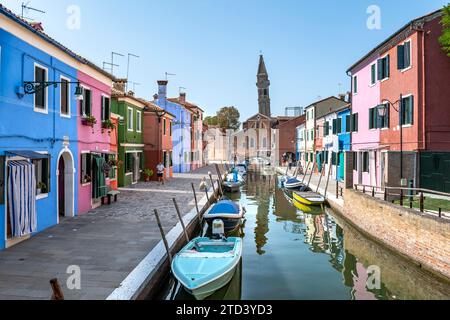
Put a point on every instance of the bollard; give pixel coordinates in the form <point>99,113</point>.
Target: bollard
<point>401,197</point>
<point>440,212</point>
<point>373,192</point>
<point>385,194</point>
<point>181,219</point>
<point>337,189</point>
<point>58,295</point>
<point>422,205</point>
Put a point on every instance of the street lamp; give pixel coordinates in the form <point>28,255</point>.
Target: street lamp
<point>382,110</point>
<point>32,87</point>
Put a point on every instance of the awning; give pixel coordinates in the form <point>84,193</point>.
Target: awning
<point>28,154</point>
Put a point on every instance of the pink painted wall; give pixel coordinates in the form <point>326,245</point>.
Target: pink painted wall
<point>368,96</point>
<point>91,139</point>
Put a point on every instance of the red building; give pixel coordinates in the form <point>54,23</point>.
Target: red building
<point>419,74</point>
<point>287,136</point>
<point>158,139</point>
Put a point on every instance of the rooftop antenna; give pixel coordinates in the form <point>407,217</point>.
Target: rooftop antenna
<point>340,86</point>
<point>134,85</point>
<point>110,65</point>
<point>128,65</point>
<point>112,60</point>
<point>169,74</point>
<point>26,7</point>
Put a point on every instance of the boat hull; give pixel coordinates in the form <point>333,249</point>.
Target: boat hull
<point>307,209</point>
<point>230,224</point>
<point>309,198</point>
<point>204,292</point>
<point>231,188</point>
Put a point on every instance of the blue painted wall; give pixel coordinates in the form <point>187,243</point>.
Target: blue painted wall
<point>344,141</point>
<point>21,128</point>
<point>181,133</point>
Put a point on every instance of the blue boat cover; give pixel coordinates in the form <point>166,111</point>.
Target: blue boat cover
<point>225,206</point>
<point>292,180</point>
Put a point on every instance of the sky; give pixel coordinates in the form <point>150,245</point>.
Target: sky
<point>213,46</point>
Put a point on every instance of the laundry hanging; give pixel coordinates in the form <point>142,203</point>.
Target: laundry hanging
<point>22,198</point>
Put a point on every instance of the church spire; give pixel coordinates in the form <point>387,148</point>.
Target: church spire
<point>263,85</point>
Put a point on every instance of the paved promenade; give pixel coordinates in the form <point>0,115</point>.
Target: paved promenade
<point>107,243</point>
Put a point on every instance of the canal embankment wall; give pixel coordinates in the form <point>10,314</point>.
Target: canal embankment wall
<point>421,238</point>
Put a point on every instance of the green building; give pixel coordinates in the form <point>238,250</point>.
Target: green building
<point>130,111</point>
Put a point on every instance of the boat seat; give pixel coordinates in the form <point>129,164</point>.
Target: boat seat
<point>196,254</point>
<point>215,244</point>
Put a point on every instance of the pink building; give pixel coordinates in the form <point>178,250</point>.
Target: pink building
<point>94,137</point>
<point>365,138</point>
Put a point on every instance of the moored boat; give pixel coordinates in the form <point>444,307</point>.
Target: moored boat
<point>293,183</point>
<point>307,209</point>
<point>204,265</point>
<point>231,186</point>
<point>226,210</point>
<point>308,198</point>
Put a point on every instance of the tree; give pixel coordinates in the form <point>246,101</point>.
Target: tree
<point>228,118</point>
<point>211,121</point>
<point>445,38</point>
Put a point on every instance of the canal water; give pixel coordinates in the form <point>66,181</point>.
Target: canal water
<point>292,255</point>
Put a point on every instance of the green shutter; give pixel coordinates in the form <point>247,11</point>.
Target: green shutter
<point>370,119</point>
<point>400,57</point>
<point>347,124</point>
<point>2,180</point>
<point>380,69</point>
<point>411,113</point>
<point>407,55</point>
<point>46,173</point>
<point>388,67</point>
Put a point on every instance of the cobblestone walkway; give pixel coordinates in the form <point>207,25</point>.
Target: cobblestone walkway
<point>106,243</point>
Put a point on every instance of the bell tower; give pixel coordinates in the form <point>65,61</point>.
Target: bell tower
<point>263,85</point>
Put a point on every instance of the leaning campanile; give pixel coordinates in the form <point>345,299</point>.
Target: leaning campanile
<point>263,85</point>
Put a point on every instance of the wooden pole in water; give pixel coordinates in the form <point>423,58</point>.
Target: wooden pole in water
<point>166,244</point>
<point>298,169</point>
<point>212,183</point>
<point>328,179</point>
<point>195,197</point>
<point>312,171</point>
<point>181,219</point>
<point>320,178</point>
<point>219,173</point>
<point>58,295</point>
<point>306,172</point>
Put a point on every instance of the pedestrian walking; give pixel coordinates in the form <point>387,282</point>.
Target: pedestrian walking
<point>160,172</point>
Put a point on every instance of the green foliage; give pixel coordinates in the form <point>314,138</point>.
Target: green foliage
<point>228,118</point>
<point>211,121</point>
<point>445,38</point>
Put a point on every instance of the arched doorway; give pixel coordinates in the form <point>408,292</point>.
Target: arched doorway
<point>65,183</point>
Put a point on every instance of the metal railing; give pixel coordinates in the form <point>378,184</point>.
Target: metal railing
<point>406,196</point>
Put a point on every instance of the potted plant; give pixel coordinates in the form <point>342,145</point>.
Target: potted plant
<point>108,124</point>
<point>41,187</point>
<point>89,121</point>
<point>148,174</point>
<point>87,179</point>
<point>113,162</point>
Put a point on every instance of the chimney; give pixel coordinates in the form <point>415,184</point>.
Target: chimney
<point>37,26</point>
<point>131,93</point>
<point>342,97</point>
<point>162,91</point>
<point>120,85</point>
<point>155,97</point>
<point>182,98</point>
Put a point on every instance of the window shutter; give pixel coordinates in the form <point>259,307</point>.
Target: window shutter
<point>400,57</point>
<point>334,126</point>
<point>370,119</point>
<point>407,55</point>
<point>388,66</point>
<point>380,69</point>
<point>46,173</point>
<point>347,124</point>
<point>339,129</point>
<point>411,113</point>
<point>2,180</point>
<point>401,112</point>
<point>388,116</point>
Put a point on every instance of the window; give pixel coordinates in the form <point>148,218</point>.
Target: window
<point>2,179</point>
<point>384,121</point>
<point>42,173</point>
<point>312,134</point>
<point>326,129</point>
<point>106,109</point>
<point>373,74</point>
<point>373,118</point>
<point>40,97</point>
<point>334,126</point>
<point>86,168</point>
<point>355,84</point>
<point>383,68</point>
<point>338,125</point>
<point>165,127</point>
<point>139,121</point>
<point>407,111</point>
<point>354,123</point>
<point>171,158</point>
<point>334,158</point>
<point>404,56</point>
<point>65,97</point>
<point>347,123</point>
<point>112,172</point>
<point>86,103</point>
<point>365,163</point>
<point>130,119</point>
<point>170,128</point>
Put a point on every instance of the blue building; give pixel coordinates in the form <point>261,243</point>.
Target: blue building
<point>38,133</point>
<point>181,129</point>
<point>344,137</point>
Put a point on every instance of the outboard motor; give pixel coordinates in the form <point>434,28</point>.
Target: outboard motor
<point>218,230</point>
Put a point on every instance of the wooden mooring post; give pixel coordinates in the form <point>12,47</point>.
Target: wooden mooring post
<point>195,197</point>
<point>58,295</point>
<point>212,183</point>
<point>312,172</point>
<point>166,244</point>
<point>320,178</point>
<point>328,180</point>
<point>181,219</point>
<point>306,172</point>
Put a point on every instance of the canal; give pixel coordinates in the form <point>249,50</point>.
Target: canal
<point>292,255</point>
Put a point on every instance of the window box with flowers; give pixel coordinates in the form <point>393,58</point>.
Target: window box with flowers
<point>108,125</point>
<point>89,121</point>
